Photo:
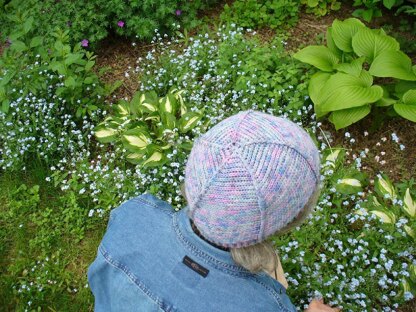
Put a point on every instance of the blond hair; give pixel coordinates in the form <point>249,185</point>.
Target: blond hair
<point>262,256</point>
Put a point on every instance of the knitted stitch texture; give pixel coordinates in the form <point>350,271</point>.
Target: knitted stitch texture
<point>248,177</point>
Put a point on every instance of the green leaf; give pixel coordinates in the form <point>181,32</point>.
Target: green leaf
<point>367,42</point>
<point>89,65</point>
<point>36,41</point>
<point>168,120</point>
<point>394,64</point>
<point>409,97</point>
<point>312,3</point>
<point>105,134</point>
<point>188,121</point>
<point>345,91</point>
<point>135,158</point>
<point>389,3</point>
<point>168,104</point>
<point>27,26</point>
<point>155,159</point>
<point>354,68</point>
<point>5,106</point>
<point>316,84</point>
<point>386,100</point>
<point>406,111</point>
<point>73,58</point>
<point>70,82</point>
<point>345,117</point>
<point>58,66</point>
<point>122,108</point>
<point>385,187</point>
<point>409,204</point>
<point>331,43</point>
<point>403,86</point>
<point>367,15</point>
<point>348,186</point>
<point>343,31</point>
<point>319,56</point>
<point>18,46</point>
<point>135,139</point>
<point>89,80</point>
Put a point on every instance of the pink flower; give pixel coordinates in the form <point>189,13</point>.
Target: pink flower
<point>85,43</point>
<point>120,24</point>
<point>178,12</point>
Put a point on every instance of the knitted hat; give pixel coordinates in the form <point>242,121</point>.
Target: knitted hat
<point>248,177</point>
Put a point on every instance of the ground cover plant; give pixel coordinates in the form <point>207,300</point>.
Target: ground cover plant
<point>255,14</point>
<point>356,250</point>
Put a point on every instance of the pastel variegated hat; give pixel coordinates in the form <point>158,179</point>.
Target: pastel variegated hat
<point>248,177</point>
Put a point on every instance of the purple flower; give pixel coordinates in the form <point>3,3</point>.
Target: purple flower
<point>85,43</point>
<point>120,24</point>
<point>178,12</point>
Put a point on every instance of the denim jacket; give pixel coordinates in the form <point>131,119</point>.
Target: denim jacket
<point>151,260</point>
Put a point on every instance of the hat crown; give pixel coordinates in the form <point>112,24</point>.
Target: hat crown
<point>249,176</point>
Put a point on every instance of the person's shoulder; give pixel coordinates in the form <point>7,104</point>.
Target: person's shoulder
<point>143,206</point>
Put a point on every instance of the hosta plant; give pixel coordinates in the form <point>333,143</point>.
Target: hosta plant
<point>148,127</point>
<point>359,68</point>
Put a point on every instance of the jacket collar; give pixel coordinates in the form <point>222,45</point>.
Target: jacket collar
<point>200,248</point>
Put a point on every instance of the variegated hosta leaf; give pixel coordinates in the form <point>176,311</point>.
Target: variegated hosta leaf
<point>386,217</point>
<point>105,134</point>
<point>122,109</point>
<point>135,139</point>
<point>189,121</point>
<point>410,231</point>
<point>154,160</point>
<point>412,271</point>
<point>350,182</point>
<point>386,188</point>
<point>409,204</point>
<point>333,156</point>
<point>376,202</point>
<point>135,158</point>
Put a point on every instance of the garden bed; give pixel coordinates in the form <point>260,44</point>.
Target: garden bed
<point>56,194</point>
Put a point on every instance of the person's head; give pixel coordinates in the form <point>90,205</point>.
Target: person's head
<point>249,177</point>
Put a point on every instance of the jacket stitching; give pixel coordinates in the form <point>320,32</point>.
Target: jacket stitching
<point>114,263</point>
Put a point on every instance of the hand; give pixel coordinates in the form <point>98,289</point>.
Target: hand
<point>317,305</point>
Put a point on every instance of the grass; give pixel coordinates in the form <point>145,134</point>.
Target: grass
<point>24,227</point>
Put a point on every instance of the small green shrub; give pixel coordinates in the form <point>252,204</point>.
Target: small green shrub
<point>373,8</point>
<point>321,7</point>
<point>90,21</point>
<point>354,56</point>
<point>258,14</point>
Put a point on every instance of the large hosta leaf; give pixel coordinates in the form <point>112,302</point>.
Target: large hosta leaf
<point>316,84</point>
<point>409,97</point>
<point>331,43</point>
<point>369,43</point>
<point>343,31</point>
<point>343,91</point>
<point>345,117</point>
<point>394,64</point>
<point>319,56</point>
<point>407,109</point>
